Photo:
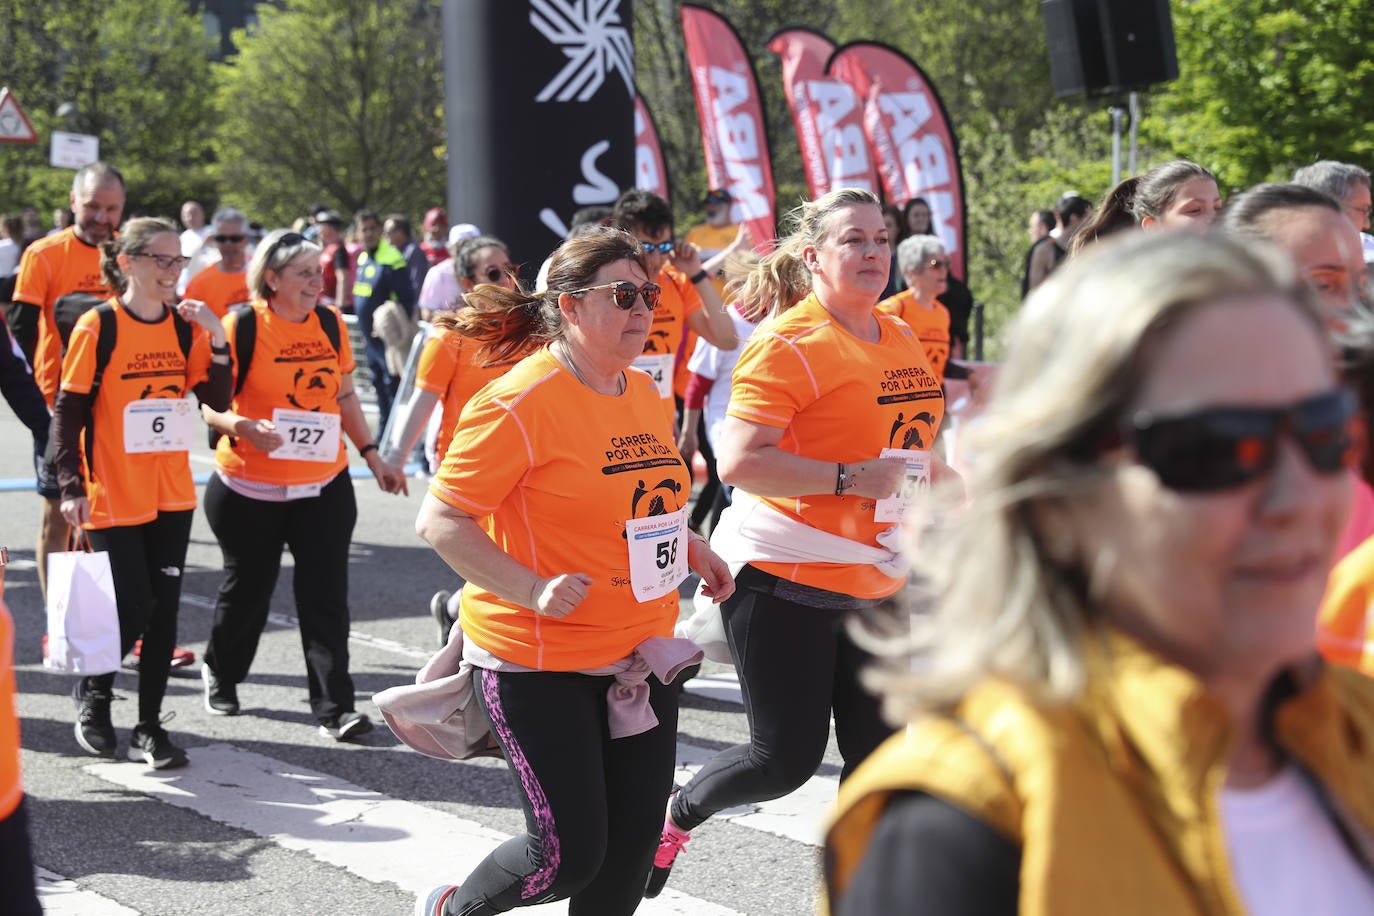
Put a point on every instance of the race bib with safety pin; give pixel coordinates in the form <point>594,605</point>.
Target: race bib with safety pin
<point>917,483</point>
<point>660,369</point>
<point>159,425</point>
<point>306,435</point>
<point>658,553</point>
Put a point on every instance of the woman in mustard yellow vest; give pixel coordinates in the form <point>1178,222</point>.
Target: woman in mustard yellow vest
<point>1115,703</point>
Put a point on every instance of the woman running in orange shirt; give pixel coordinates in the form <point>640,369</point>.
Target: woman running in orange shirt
<point>563,503</point>
<point>122,432</point>
<point>925,267</point>
<point>450,373</point>
<point>281,480</point>
<point>833,409</point>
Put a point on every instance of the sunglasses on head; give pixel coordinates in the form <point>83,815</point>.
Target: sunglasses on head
<point>659,247</point>
<point>497,274</point>
<point>625,293</point>
<point>233,237</point>
<point>1220,448</point>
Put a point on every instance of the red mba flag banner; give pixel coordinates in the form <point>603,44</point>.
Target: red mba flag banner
<point>650,172</point>
<point>827,113</point>
<point>908,131</point>
<point>730,110</point>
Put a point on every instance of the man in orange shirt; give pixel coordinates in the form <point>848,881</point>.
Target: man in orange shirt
<point>689,301</point>
<point>62,271</point>
<point>224,285</point>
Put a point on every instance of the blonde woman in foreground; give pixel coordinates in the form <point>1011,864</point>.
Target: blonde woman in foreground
<point>1116,704</point>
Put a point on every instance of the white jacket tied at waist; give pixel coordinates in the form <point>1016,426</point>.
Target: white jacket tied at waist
<point>751,531</point>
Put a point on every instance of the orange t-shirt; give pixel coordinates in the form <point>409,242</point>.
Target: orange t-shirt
<point>679,301</point>
<point>11,781</point>
<point>836,398</point>
<point>1345,629</point>
<point>123,488</point>
<point>449,368</point>
<point>931,327</point>
<point>53,268</point>
<point>220,290</point>
<point>552,470</point>
<point>294,367</point>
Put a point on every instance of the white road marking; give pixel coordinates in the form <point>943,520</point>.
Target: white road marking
<point>377,838</point>
<point>60,896</point>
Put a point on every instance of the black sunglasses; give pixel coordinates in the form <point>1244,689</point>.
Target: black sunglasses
<point>626,293</point>
<point>497,274</point>
<point>660,247</point>
<point>1220,448</point>
<point>230,238</point>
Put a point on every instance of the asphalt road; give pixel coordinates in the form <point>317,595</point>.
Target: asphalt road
<point>271,818</point>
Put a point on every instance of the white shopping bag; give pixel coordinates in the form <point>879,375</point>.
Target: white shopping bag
<point>83,619</point>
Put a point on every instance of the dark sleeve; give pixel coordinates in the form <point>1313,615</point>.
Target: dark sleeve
<point>959,300</point>
<point>20,390</point>
<point>68,419</point>
<point>403,288</point>
<point>926,856</point>
<point>23,319</point>
<point>217,391</point>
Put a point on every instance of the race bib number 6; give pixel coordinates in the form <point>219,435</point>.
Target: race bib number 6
<point>658,554</point>
<point>306,435</point>
<point>159,425</point>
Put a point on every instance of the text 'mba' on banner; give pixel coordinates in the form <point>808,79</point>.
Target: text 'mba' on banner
<point>730,110</point>
<point>910,136</point>
<point>559,133</point>
<point>651,173</point>
<point>828,114</point>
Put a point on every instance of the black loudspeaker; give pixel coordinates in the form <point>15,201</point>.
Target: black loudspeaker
<point>1109,46</point>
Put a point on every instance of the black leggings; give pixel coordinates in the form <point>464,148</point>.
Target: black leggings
<point>593,804</point>
<point>251,535</point>
<point>146,563</point>
<point>796,663</point>
<point>16,864</point>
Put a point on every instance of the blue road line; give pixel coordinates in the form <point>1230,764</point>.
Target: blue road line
<point>21,484</point>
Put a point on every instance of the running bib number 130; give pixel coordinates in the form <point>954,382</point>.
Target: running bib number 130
<point>159,425</point>
<point>306,435</point>
<point>658,554</point>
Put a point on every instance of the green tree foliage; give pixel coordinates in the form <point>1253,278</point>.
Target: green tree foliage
<point>1269,85</point>
<point>334,100</point>
<point>137,74</point>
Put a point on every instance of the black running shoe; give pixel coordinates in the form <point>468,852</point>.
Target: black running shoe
<point>150,744</point>
<point>221,697</point>
<point>94,730</point>
<point>345,725</point>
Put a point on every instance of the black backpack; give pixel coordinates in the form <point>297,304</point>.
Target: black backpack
<point>246,338</point>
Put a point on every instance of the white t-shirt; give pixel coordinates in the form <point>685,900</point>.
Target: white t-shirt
<point>709,361</point>
<point>1287,854</point>
<point>9,257</point>
<point>441,290</point>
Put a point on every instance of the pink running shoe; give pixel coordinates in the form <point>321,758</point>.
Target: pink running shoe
<point>669,845</point>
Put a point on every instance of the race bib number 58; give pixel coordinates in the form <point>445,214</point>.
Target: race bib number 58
<point>658,554</point>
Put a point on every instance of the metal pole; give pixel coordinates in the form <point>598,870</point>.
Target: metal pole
<point>978,331</point>
<point>1118,114</point>
<point>1135,121</point>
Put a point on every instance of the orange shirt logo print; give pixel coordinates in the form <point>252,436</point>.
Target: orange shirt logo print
<point>311,388</point>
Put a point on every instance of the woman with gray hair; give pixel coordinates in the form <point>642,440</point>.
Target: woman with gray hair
<point>925,267</point>
<point>281,480</point>
<point>1114,702</point>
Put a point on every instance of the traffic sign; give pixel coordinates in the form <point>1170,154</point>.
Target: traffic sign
<point>14,124</point>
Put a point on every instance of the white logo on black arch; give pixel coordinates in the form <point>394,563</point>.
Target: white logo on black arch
<point>590,34</point>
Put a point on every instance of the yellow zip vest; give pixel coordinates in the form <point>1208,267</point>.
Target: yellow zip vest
<point>1114,799</point>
